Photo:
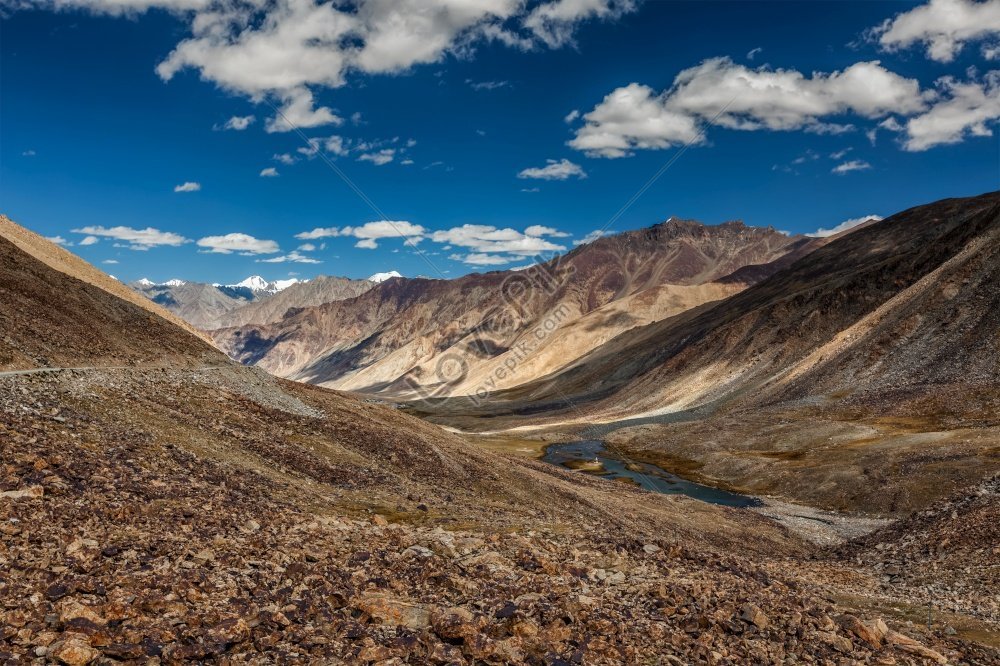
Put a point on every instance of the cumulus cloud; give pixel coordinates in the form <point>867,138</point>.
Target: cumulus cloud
<point>89,240</point>
<point>187,187</point>
<point>942,27</point>
<point>135,239</point>
<point>965,109</point>
<point>299,111</point>
<point>294,257</point>
<point>845,225</point>
<point>237,242</point>
<point>571,116</point>
<point>269,172</point>
<point>737,97</point>
<point>487,239</point>
<point>58,240</point>
<point>370,233</point>
<point>852,165</point>
<point>319,232</point>
<point>554,22</point>
<point>237,123</point>
<point>554,170</point>
<point>539,230</point>
<point>110,262</point>
<point>379,157</point>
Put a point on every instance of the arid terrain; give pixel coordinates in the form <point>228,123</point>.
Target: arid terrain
<point>162,503</point>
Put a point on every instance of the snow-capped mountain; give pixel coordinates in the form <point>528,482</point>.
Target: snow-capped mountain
<point>257,285</point>
<point>382,277</point>
<point>146,282</point>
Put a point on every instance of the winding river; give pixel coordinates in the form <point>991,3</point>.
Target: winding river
<point>590,456</point>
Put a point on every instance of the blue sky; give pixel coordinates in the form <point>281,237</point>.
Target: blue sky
<point>486,136</point>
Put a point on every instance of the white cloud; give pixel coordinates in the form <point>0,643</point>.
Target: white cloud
<point>307,247</point>
<point>292,257</point>
<point>237,242</point>
<point>753,53</point>
<point>370,233</point>
<point>238,123</point>
<point>336,145</point>
<point>379,157</point>
<point>135,239</point>
<point>285,158</point>
<point>852,165</point>
<point>591,237</point>
<point>837,155</point>
<point>554,170</point>
<point>488,239</point>
<point>58,240</point>
<point>965,109</point>
<point>187,187</point>
<point>319,232</point>
<point>269,172</point>
<point>554,22</point>
<point>110,262</point>
<point>571,116</point>
<point>531,189</point>
<point>28,153</point>
<point>845,225</point>
<point>539,230</point>
<point>298,111</point>
<point>737,97</point>
<point>632,117</point>
<point>941,26</point>
<point>89,240</point>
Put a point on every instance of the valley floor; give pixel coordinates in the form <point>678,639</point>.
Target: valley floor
<point>220,515</point>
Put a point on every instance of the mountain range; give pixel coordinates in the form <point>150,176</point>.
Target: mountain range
<point>400,338</point>
<point>163,502</point>
<point>209,306</point>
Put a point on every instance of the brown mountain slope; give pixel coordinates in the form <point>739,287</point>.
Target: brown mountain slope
<point>58,311</point>
<point>399,337</point>
<point>319,290</point>
<point>68,263</point>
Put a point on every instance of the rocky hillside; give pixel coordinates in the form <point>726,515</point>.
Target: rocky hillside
<point>417,337</point>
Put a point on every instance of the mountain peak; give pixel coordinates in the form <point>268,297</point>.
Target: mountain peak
<point>254,282</point>
<point>382,277</point>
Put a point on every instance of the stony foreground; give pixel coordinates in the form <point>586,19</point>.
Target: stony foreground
<point>126,540</point>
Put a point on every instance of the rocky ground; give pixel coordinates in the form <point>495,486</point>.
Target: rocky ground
<point>162,516</point>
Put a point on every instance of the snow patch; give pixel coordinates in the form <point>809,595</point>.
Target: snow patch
<point>382,277</point>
